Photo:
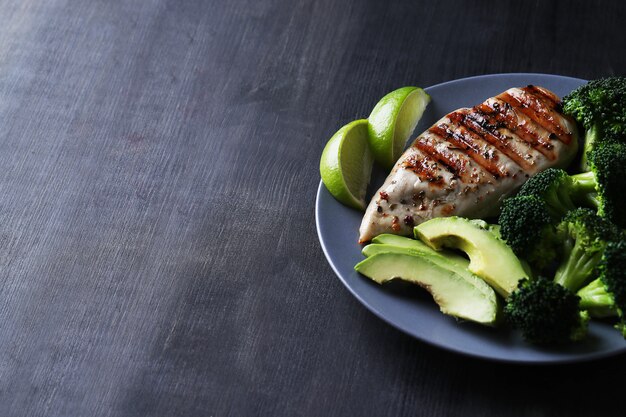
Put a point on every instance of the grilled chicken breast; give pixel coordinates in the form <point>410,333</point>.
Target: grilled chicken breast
<point>471,159</point>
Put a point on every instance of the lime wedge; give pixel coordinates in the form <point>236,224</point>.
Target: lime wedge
<point>346,164</point>
<point>392,122</point>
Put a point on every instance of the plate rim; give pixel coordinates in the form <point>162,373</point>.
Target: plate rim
<point>585,357</point>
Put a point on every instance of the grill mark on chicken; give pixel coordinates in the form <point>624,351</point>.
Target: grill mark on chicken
<point>480,131</point>
<point>505,115</point>
<point>453,165</point>
<point>551,101</point>
<point>425,168</point>
<point>532,107</point>
<point>464,142</point>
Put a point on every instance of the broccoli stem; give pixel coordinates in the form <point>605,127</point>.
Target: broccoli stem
<point>584,189</point>
<point>597,300</point>
<point>591,135</point>
<point>578,266</point>
<point>584,182</point>
<point>592,200</point>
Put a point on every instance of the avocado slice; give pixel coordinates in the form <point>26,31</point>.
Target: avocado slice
<point>410,243</point>
<point>490,258</point>
<point>445,259</point>
<point>374,248</point>
<point>469,299</point>
<point>396,240</point>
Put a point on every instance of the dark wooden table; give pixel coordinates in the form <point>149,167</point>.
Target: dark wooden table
<point>159,163</point>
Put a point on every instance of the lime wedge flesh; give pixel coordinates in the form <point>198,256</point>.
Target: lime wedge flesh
<point>408,117</point>
<point>392,122</point>
<point>346,164</point>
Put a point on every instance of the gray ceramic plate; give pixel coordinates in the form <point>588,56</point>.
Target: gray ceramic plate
<point>414,312</point>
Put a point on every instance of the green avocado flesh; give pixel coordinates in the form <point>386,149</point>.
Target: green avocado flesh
<point>444,259</point>
<point>490,258</point>
<point>416,245</point>
<point>466,297</point>
<point>407,242</point>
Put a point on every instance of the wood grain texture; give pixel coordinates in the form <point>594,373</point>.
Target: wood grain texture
<point>159,159</point>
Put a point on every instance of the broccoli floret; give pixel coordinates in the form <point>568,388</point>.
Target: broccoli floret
<point>606,295</point>
<point>546,312</point>
<point>600,107</point>
<point>555,187</point>
<point>603,186</point>
<point>600,103</point>
<point>528,227</point>
<point>584,236</point>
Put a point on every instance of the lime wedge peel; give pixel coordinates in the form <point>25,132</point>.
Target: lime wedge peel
<point>392,122</point>
<point>346,164</point>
